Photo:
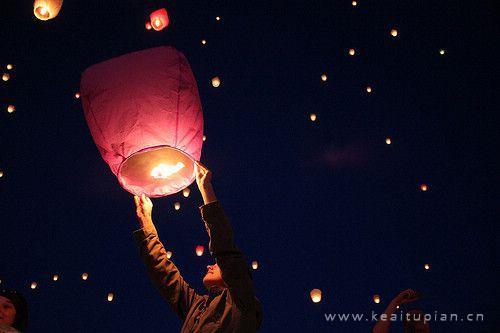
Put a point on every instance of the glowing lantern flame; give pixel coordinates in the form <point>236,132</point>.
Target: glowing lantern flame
<point>159,19</point>
<point>163,171</point>
<point>5,77</point>
<point>423,187</point>
<point>177,205</point>
<point>394,33</point>
<point>313,116</point>
<point>316,295</point>
<point>110,297</point>
<point>368,89</point>
<point>148,26</point>
<point>442,51</point>
<point>388,141</point>
<point>255,264</point>
<point>203,41</point>
<point>324,77</point>
<point>10,66</point>
<point>217,18</point>
<point>204,138</point>
<point>11,108</point>
<point>354,3</point>
<point>427,267</point>
<point>1,173</point>
<point>46,9</point>
<point>185,192</point>
<point>216,82</point>
<point>33,285</point>
<point>55,277</point>
<point>352,52</point>
<point>199,250</point>
<point>85,276</point>
<point>77,95</point>
<point>169,254</point>
<point>376,299</point>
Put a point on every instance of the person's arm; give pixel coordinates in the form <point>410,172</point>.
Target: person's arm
<point>384,323</point>
<point>164,274</point>
<point>232,264</point>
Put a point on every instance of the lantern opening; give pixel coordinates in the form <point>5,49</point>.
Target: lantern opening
<point>157,171</point>
<point>42,12</point>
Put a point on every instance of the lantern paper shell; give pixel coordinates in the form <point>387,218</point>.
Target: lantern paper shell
<point>159,19</point>
<point>316,295</point>
<point>144,114</point>
<point>46,9</point>
<point>199,250</point>
<point>376,299</point>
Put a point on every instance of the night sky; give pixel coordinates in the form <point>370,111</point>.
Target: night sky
<point>324,204</point>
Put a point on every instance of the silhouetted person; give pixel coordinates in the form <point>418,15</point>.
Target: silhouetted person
<point>413,320</point>
<point>13,312</point>
<point>230,305</point>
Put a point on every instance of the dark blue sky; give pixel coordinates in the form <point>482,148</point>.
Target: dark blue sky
<point>323,204</point>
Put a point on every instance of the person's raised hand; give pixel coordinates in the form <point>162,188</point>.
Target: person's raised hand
<point>144,207</point>
<point>406,296</point>
<point>204,182</point>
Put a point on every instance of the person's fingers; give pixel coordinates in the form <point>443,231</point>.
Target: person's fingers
<point>136,200</point>
<point>201,166</point>
<point>143,198</point>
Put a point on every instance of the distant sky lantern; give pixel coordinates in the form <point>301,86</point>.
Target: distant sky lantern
<point>204,138</point>
<point>313,116</point>
<point>55,277</point>
<point>255,264</point>
<point>442,51</point>
<point>6,77</point>
<point>324,77</point>
<point>388,141</point>
<point>217,18</point>
<point>316,295</point>
<point>147,126</point>
<point>1,173</point>
<point>46,9</point>
<point>368,89</point>
<point>10,66</point>
<point>169,254</point>
<point>394,32</point>
<point>354,3</point>
<point>33,285</point>
<point>159,19</point>
<point>148,26</point>
<point>427,267</point>
<point>85,276</point>
<point>185,192</point>
<point>423,187</point>
<point>77,95</point>
<point>376,299</point>
<point>11,108</point>
<point>199,250</point>
<point>110,297</point>
<point>216,82</point>
<point>177,205</point>
<point>352,52</point>
<point>203,41</point>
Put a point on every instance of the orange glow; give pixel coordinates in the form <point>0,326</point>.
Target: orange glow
<point>159,19</point>
<point>324,77</point>
<point>157,23</point>
<point>388,141</point>
<point>10,66</point>
<point>85,276</point>
<point>33,285</point>
<point>368,89</point>
<point>177,205</point>
<point>423,187</point>
<point>163,171</point>
<point>313,116</point>
<point>394,32</point>
<point>185,192</point>
<point>169,254</point>
<point>11,108</point>
<point>427,267</point>
<point>5,77</point>
<point>354,3</point>
<point>77,95</point>
<point>255,264</point>
<point>199,250</point>
<point>110,297</point>
<point>316,295</point>
<point>46,9</point>
<point>215,81</point>
<point>376,299</point>
<point>148,26</point>
<point>352,52</point>
<point>55,277</point>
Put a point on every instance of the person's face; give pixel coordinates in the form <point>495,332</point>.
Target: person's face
<point>213,277</point>
<point>7,311</point>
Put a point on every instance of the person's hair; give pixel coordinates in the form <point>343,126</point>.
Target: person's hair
<point>21,306</point>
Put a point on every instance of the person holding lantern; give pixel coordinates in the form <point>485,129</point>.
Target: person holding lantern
<point>230,305</point>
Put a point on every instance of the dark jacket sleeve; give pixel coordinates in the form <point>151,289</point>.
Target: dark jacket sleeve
<point>164,274</point>
<point>234,268</point>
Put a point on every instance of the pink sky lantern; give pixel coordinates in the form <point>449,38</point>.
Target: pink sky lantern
<point>199,250</point>
<point>145,116</point>
<point>159,19</point>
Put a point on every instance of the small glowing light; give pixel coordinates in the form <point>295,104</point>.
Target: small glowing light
<point>77,95</point>
<point>43,10</point>
<point>85,276</point>
<point>6,77</point>
<point>1,173</point>
<point>255,264</point>
<point>352,52</point>
<point>442,51</point>
<point>217,18</point>
<point>313,116</point>
<point>354,3</point>
<point>204,138</point>
<point>33,285</point>
<point>388,141</point>
<point>169,254</point>
<point>376,299</point>
<point>177,205</point>
<point>55,277</point>
<point>424,187</point>
<point>203,41</point>
<point>157,22</point>
<point>11,108</point>
<point>215,81</point>
<point>397,306</point>
<point>368,89</point>
<point>199,250</point>
<point>10,66</point>
<point>163,171</point>
<point>427,267</point>
<point>316,295</point>
<point>394,32</point>
<point>185,192</point>
<point>148,26</point>
<point>110,297</point>
<point>324,77</point>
